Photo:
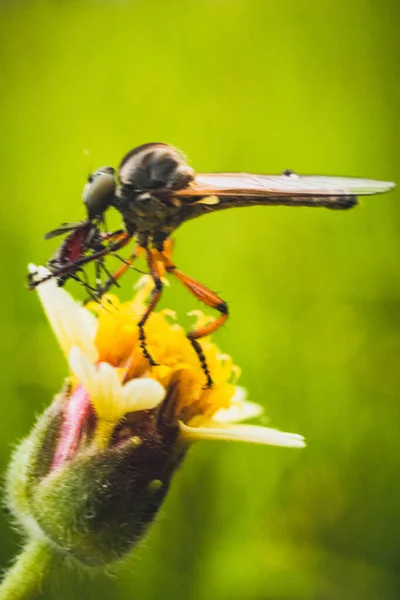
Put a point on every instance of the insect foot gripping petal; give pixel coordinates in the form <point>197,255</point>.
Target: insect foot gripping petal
<point>91,477</point>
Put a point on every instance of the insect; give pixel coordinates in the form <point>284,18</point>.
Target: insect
<point>84,236</point>
<point>156,192</point>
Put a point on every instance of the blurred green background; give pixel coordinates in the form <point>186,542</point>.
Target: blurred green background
<point>315,295</point>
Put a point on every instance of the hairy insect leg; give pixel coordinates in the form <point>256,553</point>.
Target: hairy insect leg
<point>209,298</point>
<point>155,295</point>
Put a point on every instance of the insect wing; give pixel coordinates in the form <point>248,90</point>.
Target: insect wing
<point>246,184</point>
<point>64,228</point>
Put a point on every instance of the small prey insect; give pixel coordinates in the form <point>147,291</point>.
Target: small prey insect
<point>156,191</point>
<point>84,236</point>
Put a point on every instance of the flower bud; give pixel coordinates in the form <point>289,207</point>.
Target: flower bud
<point>97,504</point>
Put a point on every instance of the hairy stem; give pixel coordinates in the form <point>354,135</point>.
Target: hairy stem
<point>24,579</point>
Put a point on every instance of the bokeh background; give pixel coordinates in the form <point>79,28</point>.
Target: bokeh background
<point>256,85</point>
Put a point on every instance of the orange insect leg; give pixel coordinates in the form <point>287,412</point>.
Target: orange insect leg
<point>209,298</point>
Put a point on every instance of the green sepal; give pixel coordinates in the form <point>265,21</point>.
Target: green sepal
<point>98,504</point>
<point>32,457</point>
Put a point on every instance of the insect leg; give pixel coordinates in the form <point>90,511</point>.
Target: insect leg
<point>112,236</point>
<point>155,295</point>
<point>109,275</point>
<point>90,290</point>
<point>97,270</point>
<point>113,278</point>
<point>129,262</point>
<point>209,298</point>
<point>97,292</point>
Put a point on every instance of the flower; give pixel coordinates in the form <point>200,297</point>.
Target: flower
<point>91,476</point>
<point>104,354</point>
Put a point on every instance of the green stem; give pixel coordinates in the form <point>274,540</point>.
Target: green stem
<point>24,579</point>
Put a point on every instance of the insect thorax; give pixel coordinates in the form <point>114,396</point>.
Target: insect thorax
<point>155,166</point>
<point>145,212</point>
<point>148,176</point>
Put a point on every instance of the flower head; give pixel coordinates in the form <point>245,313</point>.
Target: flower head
<point>93,473</point>
<point>104,354</point>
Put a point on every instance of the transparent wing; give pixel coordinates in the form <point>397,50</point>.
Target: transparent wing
<point>246,184</point>
<point>210,192</point>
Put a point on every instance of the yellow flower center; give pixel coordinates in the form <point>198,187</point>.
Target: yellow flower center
<point>117,341</point>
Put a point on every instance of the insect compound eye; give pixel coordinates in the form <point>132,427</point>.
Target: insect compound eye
<point>99,192</point>
<point>155,166</point>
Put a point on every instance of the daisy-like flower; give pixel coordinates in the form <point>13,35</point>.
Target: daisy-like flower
<point>98,464</point>
<point>106,360</point>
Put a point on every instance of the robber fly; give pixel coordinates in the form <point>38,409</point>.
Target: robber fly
<point>157,191</point>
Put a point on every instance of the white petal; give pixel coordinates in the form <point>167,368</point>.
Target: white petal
<point>110,400</point>
<point>101,383</point>
<point>240,394</point>
<point>243,433</point>
<point>84,371</point>
<point>240,409</point>
<point>107,402</point>
<point>90,321</point>
<point>238,412</point>
<point>65,316</point>
<point>141,394</point>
